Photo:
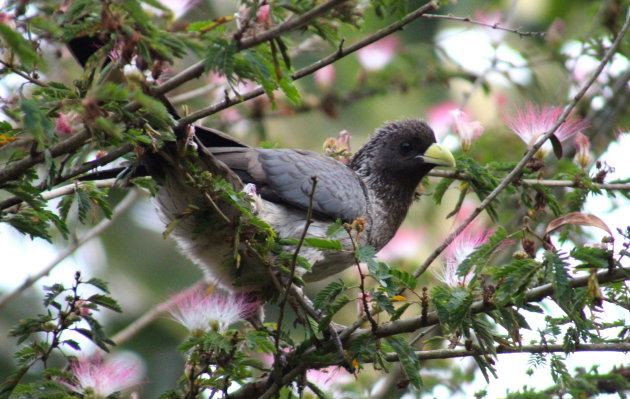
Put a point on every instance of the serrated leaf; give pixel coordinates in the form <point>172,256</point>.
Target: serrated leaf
<point>326,295</point>
<point>98,283</point>
<point>407,358</point>
<point>19,46</point>
<point>105,301</point>
<point>593,257</point>
<point>335,229</point>
<point>480,256</point>
<point>560,279</point>
<point>36,122</point>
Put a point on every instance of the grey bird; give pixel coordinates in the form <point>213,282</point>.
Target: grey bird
<point>378,185</point>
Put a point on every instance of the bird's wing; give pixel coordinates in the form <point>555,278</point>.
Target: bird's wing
<point>284,176</point>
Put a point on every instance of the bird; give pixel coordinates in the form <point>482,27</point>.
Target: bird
<point>377,186</point>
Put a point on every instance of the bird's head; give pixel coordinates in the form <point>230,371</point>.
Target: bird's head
<point>403,150</point>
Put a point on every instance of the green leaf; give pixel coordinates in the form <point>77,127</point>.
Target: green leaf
<point>8,385</point>
<point>105,301</point>
<point>335,229</point>
<point>36,121</point>
<point>514,279</point>
<point>259,340</point>
<point>384,302</point>
<point>593,257</point>
<point>407,358</point>
<point>452,305</point>
<point>480,256</point>
<point>327,295</point>
<point>560,279</point>
<point>98,283</point>
<point>289,89</point>
<point>19,46</point>
<point>440,189</point>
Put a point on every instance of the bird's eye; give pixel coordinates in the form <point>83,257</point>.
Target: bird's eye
<point>405,147</point>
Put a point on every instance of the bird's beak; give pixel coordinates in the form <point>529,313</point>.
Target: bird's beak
<point>437,154</point>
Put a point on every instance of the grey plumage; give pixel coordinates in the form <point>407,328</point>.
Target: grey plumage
<point>377,185</point>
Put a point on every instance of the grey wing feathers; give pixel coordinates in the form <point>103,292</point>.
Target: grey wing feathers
<point>282,175</point>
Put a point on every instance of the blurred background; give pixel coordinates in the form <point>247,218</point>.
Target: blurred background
<point>431,67</point>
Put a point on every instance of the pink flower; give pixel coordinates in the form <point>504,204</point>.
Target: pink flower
<point>325,77</point>
<point>533,121</point>
<point>469,240</point>
<point>96,378</point>
<point>263,16</point>
<point>404,245</point>
<point>377,55</point>
<point>582,145</point>
<point>7,19</point>
<point>326,378</point>
<point>440,119</point>
<point>63,126</point>
<point>466,129</point>
<point>199,312</point>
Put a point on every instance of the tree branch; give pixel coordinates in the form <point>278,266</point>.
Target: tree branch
<point>340,53</point>
<point>496,26</point>
<point>501,350</point>
<point>70,144</point>
<point>514,174</point>
<point>542,182</point>
<point>536,294</point>
<point>195,70</point>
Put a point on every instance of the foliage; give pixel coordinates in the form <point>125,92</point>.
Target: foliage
<point>68,126</point>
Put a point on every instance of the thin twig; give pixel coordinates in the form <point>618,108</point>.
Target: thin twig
<point>293,266</point>
<point>542,182</point>
<point>513,175</point>
<point>98,229</point>
<point>496,26</point>
<point>68,145</point>
<point>547,348</point>
<point>24,75</point>
<point>104,160</point>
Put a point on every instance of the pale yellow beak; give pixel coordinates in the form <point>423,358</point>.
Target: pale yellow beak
<point>438,155</point>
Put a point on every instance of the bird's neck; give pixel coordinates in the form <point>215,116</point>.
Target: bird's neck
<point>390,196</point>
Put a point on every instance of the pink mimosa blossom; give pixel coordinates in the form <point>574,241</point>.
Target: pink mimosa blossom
<point>63,126</point>
<point>469,240</point>
<point>326,379</point>
<point>466,129</point>
<point>583,156</point>
<point>263,16</point>
<point>533,121</point>
<point>377,55</point>
<point>199,312</point>
<point>96,378</point>
<point>325,77</point>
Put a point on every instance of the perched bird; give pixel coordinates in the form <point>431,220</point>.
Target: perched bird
<point>378,185</point>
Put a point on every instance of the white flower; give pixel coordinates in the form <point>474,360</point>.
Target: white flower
<point>98,379</point>
<point>199,312</point>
